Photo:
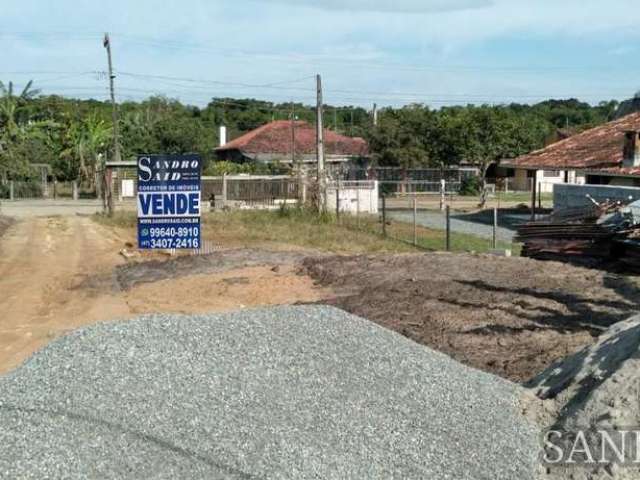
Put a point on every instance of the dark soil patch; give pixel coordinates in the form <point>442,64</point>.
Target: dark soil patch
<point>509,316</point>
<point>136,273</point>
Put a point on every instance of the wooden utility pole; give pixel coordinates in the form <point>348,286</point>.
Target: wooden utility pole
<point>293,136</point>
<point>108,195</point>
<point>114,109</point>
<point>322,191</point>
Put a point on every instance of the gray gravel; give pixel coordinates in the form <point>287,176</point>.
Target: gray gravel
<point>286,392</point>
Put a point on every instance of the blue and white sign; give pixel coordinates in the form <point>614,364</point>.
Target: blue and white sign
<point>169,201</point>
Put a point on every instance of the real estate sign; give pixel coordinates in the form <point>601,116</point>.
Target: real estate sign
<point>169,201</point>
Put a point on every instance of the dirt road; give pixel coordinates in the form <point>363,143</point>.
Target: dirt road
<point>59,273</point>
<point>41,261</point>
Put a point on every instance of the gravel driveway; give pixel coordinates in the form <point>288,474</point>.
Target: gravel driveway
<point>287,392</point>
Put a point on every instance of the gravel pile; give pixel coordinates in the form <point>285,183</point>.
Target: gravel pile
<point>287,392</point>
<point>597,388</point>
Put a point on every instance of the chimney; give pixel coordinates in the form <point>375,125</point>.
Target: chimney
<point>223,135</point>
<point>631,152</point>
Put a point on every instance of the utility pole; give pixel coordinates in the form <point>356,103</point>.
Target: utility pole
<point>108,194</point>
<point>322,192</point>
<point>114,110</point>
<point>375,115</point>
<point>293,135</point>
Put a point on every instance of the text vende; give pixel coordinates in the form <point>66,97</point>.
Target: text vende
<point>169,204</point>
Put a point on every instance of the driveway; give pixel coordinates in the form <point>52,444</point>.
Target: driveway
<point>477,223</point>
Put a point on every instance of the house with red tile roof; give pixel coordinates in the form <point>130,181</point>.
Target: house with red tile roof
<point>607,154</point>
<point>290,142</point>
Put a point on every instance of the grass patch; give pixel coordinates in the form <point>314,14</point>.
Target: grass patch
<point>126,219</point>
<point>522,197</point>
<point>295,227</point>
<point>306,229</point>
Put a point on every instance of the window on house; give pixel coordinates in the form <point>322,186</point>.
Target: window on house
<point>551,173</point>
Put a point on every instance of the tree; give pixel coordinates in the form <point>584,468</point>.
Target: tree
<point>86,141</point>
<point>487,135</point>
<point>15,129</point>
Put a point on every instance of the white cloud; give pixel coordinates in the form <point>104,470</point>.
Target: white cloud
<point>358,45</point>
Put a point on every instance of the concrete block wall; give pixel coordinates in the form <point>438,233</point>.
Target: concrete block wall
<point>571,196</point>
<point>355,196</point>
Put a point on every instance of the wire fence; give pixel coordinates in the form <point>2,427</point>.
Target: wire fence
<point>14,190</point>
<point>433,224</point>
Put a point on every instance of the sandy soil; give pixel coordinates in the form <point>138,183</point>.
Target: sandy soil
<point>509,316</point>
<point>59,273</point>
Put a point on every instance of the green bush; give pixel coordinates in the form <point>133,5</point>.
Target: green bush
<point>304,214</point>
<point>28,189</point>
<point>471,186</point>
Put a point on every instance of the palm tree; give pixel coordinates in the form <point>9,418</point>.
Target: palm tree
<point>10,105</point>
<point>86,140</point>
<point>12,128</point>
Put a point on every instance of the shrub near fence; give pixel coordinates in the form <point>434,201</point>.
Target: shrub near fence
<point>22,190</point>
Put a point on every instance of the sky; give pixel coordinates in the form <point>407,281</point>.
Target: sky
<point>436,52</point>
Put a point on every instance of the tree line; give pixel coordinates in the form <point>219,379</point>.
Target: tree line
<point>74,136</point>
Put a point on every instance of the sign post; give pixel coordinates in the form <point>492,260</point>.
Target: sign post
<point>169,201</point>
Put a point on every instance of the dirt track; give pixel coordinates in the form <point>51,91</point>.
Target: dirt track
<point>509,316</point>
<point>58,273</point>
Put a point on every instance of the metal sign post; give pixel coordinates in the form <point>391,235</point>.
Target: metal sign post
<point>169,201</point>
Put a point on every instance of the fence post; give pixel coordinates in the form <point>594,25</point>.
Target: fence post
<point>415,220</point>
<point>12,191</point>
<point>384,215</point>
<point>337,201</point>
<point>224,190</point>
<point>533,199</point>
<point>495,228</point>
<point>358,208</point>
<point>75,189</point>
<point>539,195</point>
<point>448,227</point>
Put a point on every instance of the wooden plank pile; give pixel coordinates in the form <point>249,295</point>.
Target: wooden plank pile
<point>597,235</point>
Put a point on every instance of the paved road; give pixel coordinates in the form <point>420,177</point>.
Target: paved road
<point>479,224</point>
<point>47,208</point>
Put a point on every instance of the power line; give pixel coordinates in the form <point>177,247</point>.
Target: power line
<point>275,85</point>
<point>317,59</point>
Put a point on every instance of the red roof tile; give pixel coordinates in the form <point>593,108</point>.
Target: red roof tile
<point>275,138</point>
<point>597,148</point>
<point>616,171</point>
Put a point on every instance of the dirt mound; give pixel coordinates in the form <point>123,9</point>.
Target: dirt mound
<point>509,316</point>
<point>595,390</point>
<point>598,385</point>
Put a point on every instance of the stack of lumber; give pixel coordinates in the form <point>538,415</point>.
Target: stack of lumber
<point>598,234</point>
